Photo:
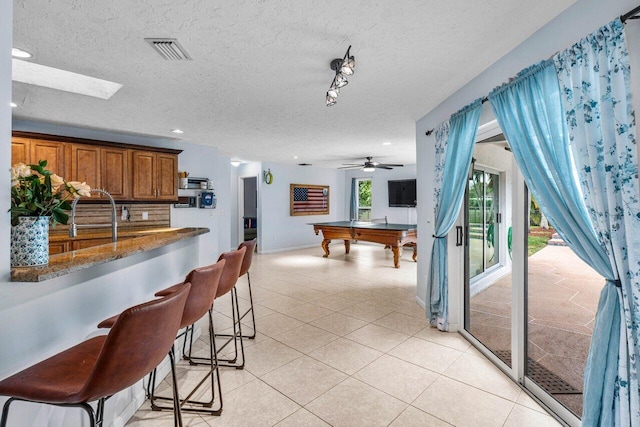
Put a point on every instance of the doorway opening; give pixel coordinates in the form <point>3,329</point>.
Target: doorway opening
<point>533,312</point>
<point>249,208</point>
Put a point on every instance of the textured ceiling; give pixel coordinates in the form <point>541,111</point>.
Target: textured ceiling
<point>256,85</point>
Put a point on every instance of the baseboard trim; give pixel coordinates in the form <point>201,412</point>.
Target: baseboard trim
<point>295,248</point>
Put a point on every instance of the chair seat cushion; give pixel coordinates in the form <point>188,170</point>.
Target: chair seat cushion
<point>58,379</point>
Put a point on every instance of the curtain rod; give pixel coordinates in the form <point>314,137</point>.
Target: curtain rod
<point>430,131</point>
<point>632,14</point>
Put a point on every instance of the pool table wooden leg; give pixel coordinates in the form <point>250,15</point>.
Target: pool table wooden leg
<point>347,246</point>
<point>396,256</point>
<point>415,253</point>
<point>325,247</point>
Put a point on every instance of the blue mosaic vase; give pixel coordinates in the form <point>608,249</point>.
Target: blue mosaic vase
<point>30,241</point>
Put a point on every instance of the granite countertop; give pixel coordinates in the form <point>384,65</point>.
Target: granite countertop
<point>62,235</point>
<point>69,262</point>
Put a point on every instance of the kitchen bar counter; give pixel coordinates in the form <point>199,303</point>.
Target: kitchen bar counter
<point>62,235</point>
<point>69,262</point>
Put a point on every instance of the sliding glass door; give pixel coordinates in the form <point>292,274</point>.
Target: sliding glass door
<point>532,315</point>
<point>484,235</point>
<point>488,302</point>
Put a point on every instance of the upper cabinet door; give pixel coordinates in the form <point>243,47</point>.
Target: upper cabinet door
<point>20,151</point>
<point>167,176</point>
<point>51,151</point>
<point>83,164</point>
<point>116,172</point>
<point>144,175</point>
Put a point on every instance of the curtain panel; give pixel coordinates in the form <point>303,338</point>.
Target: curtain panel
<point>353,206</point>
<point>454,148</point>
<point>570,124</point>
<point>595,82</point>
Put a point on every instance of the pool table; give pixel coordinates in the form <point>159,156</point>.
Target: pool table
<point>393,236</point>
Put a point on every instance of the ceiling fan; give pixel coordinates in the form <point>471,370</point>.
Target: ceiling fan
<point>370,166</point>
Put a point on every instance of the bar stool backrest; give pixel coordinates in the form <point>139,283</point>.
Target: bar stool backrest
<point>204,286</point>
<point>231,270</point>
<point>250,245</point>
<point>138,341</point>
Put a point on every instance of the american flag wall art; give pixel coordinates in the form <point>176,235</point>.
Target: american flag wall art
<point>308,199</point>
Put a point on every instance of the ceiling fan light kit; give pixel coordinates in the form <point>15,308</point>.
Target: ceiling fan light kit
<point>343,67</point>
<point>370,166</point>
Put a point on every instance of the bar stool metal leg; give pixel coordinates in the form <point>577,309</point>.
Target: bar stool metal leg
<point>95,418</point>
<point>212,373</point>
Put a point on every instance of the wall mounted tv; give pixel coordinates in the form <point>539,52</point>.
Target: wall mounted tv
<point>402,193</point>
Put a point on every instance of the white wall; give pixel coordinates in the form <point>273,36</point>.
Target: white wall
<point>380,194</point>
<point>584,17</point>
<point>6,41</point>
<point>278,230</point>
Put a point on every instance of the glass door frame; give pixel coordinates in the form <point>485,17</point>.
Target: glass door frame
<point>519,317</point>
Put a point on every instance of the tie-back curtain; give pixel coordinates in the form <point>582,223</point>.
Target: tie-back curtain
<point>529,112</point>
<point>453,151</point>
<point>595,78</point>
<point>597,214</point>
<point>353,211</point>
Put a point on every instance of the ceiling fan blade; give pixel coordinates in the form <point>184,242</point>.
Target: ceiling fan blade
<point>393,165</point>
<point>382,167</point>
<point>350,167</point>
<point>351,164</point>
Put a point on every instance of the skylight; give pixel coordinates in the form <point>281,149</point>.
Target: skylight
<point>54,78</point>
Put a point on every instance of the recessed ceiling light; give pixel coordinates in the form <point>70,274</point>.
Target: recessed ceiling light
<point>235,163</point>
<point>295,157</point>
<point>19,53</point>
<point>177,131</point>
<point>13,105</point>
<point>386,143</point>
<point>54,78</point>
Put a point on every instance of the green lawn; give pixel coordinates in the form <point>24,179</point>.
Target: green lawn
<point>536,243</point>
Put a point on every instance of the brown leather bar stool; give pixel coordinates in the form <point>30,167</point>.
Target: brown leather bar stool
<point>250,245</point>
<point>101,366</point>
<point>204,286</point>
<point>228,280</point>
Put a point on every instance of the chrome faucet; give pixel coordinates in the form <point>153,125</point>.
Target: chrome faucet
<point>73,228</point>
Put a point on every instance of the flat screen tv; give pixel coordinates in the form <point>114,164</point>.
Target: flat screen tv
<point>402,193</point>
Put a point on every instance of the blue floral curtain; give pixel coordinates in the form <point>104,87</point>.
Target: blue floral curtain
<point>454,148</point>
<point>353,211</point>
<point>595,79</point>
<point>529,112</point>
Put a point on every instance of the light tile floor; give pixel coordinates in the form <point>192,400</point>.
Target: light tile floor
<point>341,341</point>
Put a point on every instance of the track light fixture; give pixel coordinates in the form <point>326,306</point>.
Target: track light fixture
<point>343,67</point>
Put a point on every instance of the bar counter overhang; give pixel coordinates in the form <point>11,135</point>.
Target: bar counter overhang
<point>77,291</point>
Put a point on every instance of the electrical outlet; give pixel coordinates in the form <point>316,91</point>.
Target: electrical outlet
<point>145,216</point>
<point>125,214</point>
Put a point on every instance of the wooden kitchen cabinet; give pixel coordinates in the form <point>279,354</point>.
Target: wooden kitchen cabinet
<point>87,243</point>
<point>128,172</point>
<point>51,151</point>
<point>155,176</point>
<point>31,151</point>
<point>83,164</point>
<point>58,248</point>
<point>167,176</point>
<point>115,172</point>
<point>20,151</point>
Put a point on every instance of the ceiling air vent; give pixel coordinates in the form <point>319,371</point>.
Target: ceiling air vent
<point>169,49</point>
